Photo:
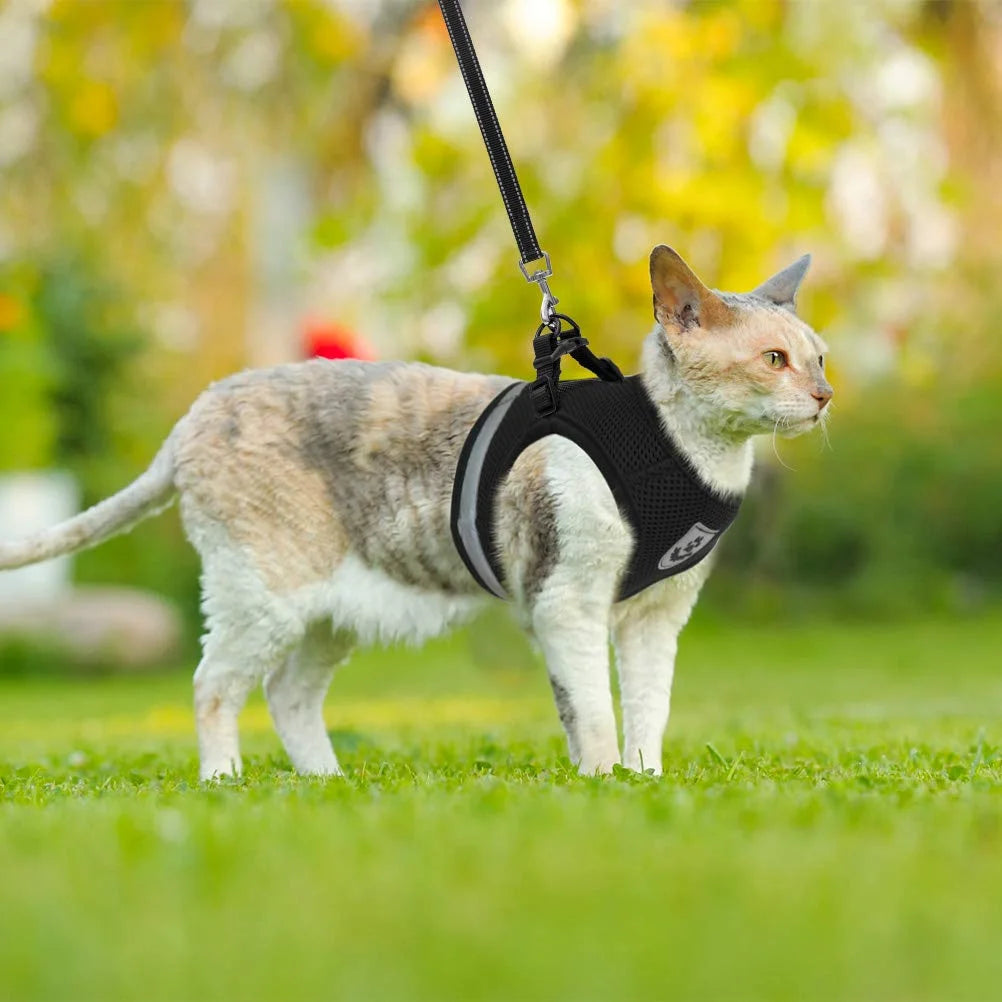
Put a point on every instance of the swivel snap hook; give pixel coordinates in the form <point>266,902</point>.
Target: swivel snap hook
<point>548,307</point>
<point>539,276</point>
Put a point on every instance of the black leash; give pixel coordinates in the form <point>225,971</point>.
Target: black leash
<point>552,340</point>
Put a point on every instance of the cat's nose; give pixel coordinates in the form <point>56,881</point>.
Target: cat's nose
<point>822,394</point>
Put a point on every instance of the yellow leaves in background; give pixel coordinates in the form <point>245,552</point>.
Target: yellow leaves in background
<point>335,40</point>
<point>812,142</point>
<point>93,110</point>
<point>720,33</point>
<point>721,115</point>
<point>327,35</point>
<point>673,43</point>
<point>11,313</point>
<point>90,53</point>
<point>715,127</point>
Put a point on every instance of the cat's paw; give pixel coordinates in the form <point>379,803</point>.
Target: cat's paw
<point>222,769</point>
<point>598,767</point>
<point>321,770</point>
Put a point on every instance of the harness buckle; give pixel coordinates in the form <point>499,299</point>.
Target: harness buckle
<point>546,361</point>
<point>544,393</point>
<point>565,346</point>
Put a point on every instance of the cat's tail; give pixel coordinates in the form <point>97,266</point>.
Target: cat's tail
<point>150,493</point>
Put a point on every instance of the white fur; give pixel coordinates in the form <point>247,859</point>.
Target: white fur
<point>293,644</point>
<point>295,692</point>
<point>381,609</point>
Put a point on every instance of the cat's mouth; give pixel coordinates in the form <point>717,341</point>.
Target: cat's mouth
<point>792,427</point>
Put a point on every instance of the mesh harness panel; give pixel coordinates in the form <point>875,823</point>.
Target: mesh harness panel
<point>676,518</point>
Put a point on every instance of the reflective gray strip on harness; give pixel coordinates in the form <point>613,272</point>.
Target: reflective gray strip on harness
<point>466,515</point>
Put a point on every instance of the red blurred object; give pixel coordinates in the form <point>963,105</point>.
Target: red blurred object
<point>326,339</point>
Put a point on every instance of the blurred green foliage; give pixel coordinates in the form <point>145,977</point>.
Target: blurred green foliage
<point>90,347</point>
<point>65,351</point>
<point>182,184</point>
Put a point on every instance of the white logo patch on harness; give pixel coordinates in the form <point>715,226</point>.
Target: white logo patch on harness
<point>697,539</point>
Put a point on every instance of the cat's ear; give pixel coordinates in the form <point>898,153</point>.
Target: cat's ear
<point>681,301</point>
<point>782,288</point>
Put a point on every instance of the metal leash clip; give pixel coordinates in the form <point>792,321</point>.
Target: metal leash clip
<point>547,309</point>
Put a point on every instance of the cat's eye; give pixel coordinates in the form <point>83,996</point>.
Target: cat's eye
<point>776,359</point>
<point>821,361</point>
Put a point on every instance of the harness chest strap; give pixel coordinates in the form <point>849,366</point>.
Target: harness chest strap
<point>676,518</point>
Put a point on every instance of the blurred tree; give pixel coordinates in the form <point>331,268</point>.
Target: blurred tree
<point>89,347</point>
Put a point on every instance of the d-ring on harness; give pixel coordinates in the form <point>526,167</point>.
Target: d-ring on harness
<point>676,518</point>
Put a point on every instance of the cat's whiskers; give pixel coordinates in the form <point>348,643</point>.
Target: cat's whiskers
<point>826,442</point>
<point>775,448</point>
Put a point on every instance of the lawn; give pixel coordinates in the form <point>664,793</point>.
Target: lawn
<point>829,826</point>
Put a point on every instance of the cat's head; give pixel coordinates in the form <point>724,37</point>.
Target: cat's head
<point>746,355</point>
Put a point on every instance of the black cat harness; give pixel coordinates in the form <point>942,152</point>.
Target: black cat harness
<point>676,518</point>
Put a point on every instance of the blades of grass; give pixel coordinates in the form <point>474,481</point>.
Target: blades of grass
<point>979,755</point>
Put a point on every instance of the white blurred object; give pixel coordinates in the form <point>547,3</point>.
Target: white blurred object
<point>279,224</point>
<point>18,131</point>
<point>770,128</point>
<point>906,79</point>
<point>30,502</point>
<point>540,28</point>
<point>254,62</point>
<point>18,38</point>
<point>109,628</point>
<point>200,178</point>
<point>857,201</point>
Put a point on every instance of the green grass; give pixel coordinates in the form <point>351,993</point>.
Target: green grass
<point>829,826</point>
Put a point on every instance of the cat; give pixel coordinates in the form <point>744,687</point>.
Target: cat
<point>318,497</point>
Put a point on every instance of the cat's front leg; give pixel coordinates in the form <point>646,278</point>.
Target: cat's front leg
<point>572,627</point>
<point>565,545</point>
<point>645,635</point>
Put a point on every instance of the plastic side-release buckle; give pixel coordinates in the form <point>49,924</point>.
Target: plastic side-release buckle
<point>544,394</point>
<point>546,362</point>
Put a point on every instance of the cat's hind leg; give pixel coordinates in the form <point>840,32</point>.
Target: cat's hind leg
<point>295,691</point>
<point>243,645</point>
<point>223,680</point>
